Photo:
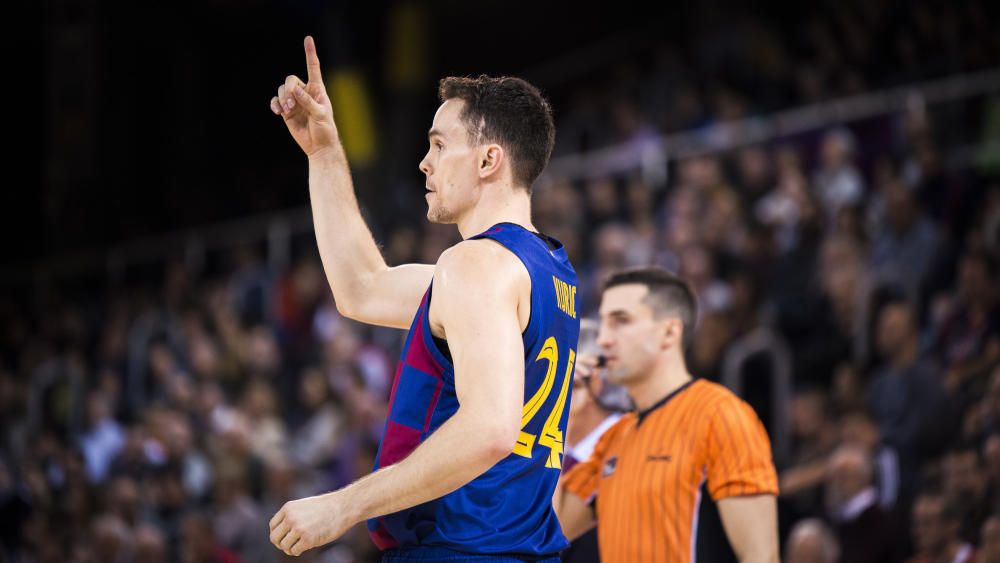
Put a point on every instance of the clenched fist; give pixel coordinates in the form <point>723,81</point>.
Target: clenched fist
<point>310,522</point>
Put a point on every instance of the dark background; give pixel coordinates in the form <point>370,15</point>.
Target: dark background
<point>155,121</point>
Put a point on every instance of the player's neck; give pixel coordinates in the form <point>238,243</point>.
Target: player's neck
<point>500,205</point>
<point>668,376</point>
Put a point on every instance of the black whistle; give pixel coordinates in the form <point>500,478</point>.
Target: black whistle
<point>601,361</point>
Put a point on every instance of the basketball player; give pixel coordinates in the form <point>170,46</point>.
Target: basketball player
<point>473,444</point>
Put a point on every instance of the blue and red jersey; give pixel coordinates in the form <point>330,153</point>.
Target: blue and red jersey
<point>507,509</point>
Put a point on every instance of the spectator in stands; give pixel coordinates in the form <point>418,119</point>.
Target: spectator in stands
<point>905,245</point>
<point>814,437</point>
<point>967,487</point>
<point>103,439</point>
<point>238,518</point>
<point>111,539</point>
<point>199,543</point>
<point>858,428</point>
<point>989,541</point>
<point>811,541</point>
<point>906,395</point>
<point>124,501</point>
<point>968,341</point>
<point>865,531</point>
<point>838,182</point>
<point>936,527</point>
<point>990,454</point>
<point>150,545</point>
<point>314,445</point>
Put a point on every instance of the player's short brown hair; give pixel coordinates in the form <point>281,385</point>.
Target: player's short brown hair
<point>510,112</point>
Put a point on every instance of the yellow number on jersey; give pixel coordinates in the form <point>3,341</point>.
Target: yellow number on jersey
<point>551,437</point>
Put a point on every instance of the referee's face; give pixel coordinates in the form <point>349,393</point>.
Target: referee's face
<point>629,336</point>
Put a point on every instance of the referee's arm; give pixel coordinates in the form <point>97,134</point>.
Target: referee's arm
<point>575,516</point>
<point>751,524</point>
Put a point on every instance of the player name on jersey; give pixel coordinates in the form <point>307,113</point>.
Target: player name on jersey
<point>565,296</point>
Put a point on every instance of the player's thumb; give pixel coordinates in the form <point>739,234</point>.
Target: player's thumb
<point>307,102</point>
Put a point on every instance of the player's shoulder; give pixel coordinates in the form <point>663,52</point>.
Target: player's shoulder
<point>480,264</point>
<point>478,258</point>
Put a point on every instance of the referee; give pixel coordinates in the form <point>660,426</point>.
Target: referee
<point>642,483</point>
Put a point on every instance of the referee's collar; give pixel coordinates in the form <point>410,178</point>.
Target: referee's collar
<point>642,414</point>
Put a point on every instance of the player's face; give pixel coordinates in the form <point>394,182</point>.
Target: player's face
<point>450,165</point>
<point>629,337</point>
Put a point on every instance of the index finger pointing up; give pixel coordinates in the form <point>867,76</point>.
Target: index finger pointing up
<point>312,62</point>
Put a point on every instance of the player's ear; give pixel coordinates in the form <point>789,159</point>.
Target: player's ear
<point>491,159</point>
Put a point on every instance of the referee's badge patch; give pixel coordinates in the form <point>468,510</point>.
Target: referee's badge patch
<point>609,466</point>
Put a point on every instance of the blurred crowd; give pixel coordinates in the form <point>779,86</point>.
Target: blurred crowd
<point>882,281</point>
<point>168,421</point>
<point>714,67</point>
<point>170,425</point>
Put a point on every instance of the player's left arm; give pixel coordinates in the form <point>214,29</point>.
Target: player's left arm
<point>476,288</point>
<point>751,524</point>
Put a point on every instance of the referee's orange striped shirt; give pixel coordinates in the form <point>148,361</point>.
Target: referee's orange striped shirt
<point>647,470</point>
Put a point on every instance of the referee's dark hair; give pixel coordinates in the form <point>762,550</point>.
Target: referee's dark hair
<point>668,294</point>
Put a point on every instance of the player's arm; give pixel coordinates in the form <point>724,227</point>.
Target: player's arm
<point>751,524</point>
<point>364,287</point>
<point>476,299</point>
<point>575,516</point>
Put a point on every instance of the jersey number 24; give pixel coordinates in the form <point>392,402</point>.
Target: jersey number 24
<point>551,437</point>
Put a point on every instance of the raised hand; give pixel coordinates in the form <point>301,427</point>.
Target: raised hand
<point>306,108</point>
